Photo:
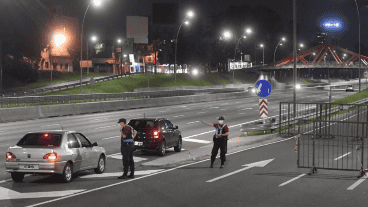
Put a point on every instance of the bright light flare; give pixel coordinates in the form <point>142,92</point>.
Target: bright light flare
<point>97,2</point>
<point>94,38</point>
<point>186,22</point>
<point>227,34</point>
<point>190,14</point>
<point>261,45</point>
<point>297,86</point>
<point>195,72</point>
<point>283,39</point>
<point>248,31</point>
<point>59,39</point>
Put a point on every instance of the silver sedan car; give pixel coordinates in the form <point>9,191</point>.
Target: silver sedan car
<point>54,152</point>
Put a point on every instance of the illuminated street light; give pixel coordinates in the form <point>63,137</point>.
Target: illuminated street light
<point>59,39</point>
<point>186,22</point>
<point>262,46</point>
<point>189,14</point>
<point>227,34</point>
<point>243,35</point>
<point>96,3</point>
<point>93,38</point>
<point>274,54</point>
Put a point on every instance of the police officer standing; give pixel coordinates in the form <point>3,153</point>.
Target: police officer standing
<point>220,140</point>
<point>127,147</point>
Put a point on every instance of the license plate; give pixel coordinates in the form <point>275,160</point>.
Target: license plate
<point>29,167</point>
<point>138,143</point>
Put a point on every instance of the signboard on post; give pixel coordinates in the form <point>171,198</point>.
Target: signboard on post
<point>263,88</point>
<point>92,82</point>
<point>365,74</point>
<point>85,64</point>
<point>263,108</point>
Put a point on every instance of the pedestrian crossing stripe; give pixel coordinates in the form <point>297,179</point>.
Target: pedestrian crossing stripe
<point>117,174</point>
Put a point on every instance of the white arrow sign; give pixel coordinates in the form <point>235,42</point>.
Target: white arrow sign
<point>247,166</point>
<point>6,194</point>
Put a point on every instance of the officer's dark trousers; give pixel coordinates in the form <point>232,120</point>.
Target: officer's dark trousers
<point>127,149</point>
<point>219,143</point>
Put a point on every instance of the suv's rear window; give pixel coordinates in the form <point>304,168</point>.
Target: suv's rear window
<point>40,139</point>
<point>143,125</point>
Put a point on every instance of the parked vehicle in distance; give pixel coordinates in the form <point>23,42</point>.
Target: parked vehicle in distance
<point>349,88</point>
<point>251,90</point>
<point>156,134</point>
<point>54,152</point>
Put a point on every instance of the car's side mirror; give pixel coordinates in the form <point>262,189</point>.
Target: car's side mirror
<point>95,144</point>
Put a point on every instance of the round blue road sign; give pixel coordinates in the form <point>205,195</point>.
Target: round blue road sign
<point>263,88</point>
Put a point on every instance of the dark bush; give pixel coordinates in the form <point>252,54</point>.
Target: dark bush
<point>20,70</point>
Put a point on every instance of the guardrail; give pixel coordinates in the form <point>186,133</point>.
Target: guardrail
<point>59,88</point>
<point>23,100</point>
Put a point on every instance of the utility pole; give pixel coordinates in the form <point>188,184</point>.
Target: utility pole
<point>294,53</point>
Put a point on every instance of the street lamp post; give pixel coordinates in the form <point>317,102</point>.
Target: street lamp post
<point>274,54</point>
<point>189,14</point>
<point>263,53</point>
<point>121,52</point>
<point>93,39</point>
<point>243,35</point>
<point>360,62</point>
<point>96,3</point>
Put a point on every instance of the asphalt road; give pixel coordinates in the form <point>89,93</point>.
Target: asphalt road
<point>102,128</point>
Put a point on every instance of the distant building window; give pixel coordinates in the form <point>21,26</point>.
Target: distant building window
<point>47,65</point>
<point>61,66</point>
<point>66,65</point>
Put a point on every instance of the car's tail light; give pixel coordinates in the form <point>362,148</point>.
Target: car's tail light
<point>10,156</point>
<point>155,134</point>
<point>50,156</point>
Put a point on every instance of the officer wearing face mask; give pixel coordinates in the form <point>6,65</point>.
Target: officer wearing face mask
<point>219,140</point>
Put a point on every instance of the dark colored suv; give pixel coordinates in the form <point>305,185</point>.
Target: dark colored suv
<point>156,134</point>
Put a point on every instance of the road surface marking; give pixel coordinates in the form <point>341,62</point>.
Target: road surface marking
<point>119,157</point>
<point>201,112</point>
<point>289,181</point>
<point>7,194</point>
<point>99,119</point>
<point>178,115</point>
<point>357,182</point>
<point>247,166</point>
<point>244,109</point>
<point>160,172</point>
<point>117,174</point>
<point>51,125</point>
<point>193,122</point>
<point>342,156</point>
<point>111,137</point>
<point>106,126</point>
<point>196,140</point>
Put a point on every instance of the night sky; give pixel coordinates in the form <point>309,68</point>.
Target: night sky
<point>108,20</point>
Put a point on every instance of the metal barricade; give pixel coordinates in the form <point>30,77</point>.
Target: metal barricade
<point>288,121</point>
<point>344,147</point>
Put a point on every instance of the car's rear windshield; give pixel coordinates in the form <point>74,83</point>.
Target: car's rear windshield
<point>40,139</point>
<point>143,125</point>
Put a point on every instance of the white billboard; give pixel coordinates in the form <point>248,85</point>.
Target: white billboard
<point>137,28</point>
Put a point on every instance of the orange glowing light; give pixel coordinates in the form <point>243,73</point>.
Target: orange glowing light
<point>59,39</point>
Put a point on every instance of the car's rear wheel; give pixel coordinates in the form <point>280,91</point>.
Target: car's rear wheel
<point>17,177</point>
<point>67,175</point>
<point>162,149</point>
<point>177,148</point>
<point>101,165</point>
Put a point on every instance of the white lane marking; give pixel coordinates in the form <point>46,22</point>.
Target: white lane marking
<point>119,157</point>
<point>357,182</point>
<point>163,171</point>
<point>7,194</point>
<point>111,137</point>
<point>178,115</point>
<point>244,109</point>
<point>99,119</point>
<point>116,174</point>
<point>214,107</point>
<point>342,156</point>
<point>163,111</point>
<point>193,122</point>
<point>4,181</point>
<point>289,181</point>
<point>51,125</point>
<point>201,112</point>
<point>106,126</point>
<point>242,113</point>
<point>196,140</point>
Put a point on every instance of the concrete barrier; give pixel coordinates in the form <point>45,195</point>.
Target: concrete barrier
<point>114,105</point>
<point>136,103</point>
<point>19,114</point>
<point>85,108</point>
<point>185,99</point>
<point>56,110</point>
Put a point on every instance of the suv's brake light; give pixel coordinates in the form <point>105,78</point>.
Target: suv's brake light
<point>50,156</point>
<point>10,156</point>
<point>155,134</point>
